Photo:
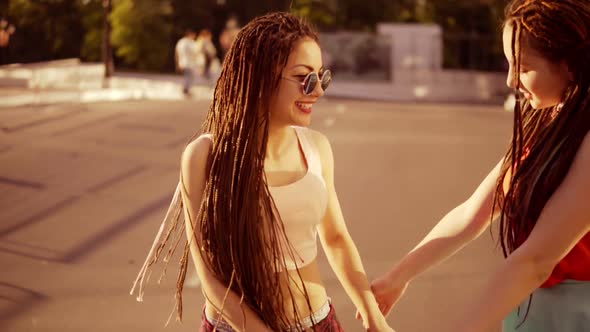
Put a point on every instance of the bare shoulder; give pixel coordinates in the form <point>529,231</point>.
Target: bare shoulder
<point>195,157</point>
<point>321,142</point>
<point>198,148</point>
<point>324,149</point>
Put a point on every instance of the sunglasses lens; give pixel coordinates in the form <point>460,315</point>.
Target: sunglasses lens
<point>326,79</point>
<point>309,83</point>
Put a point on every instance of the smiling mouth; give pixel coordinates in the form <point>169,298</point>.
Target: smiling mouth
<point>524,94</point>
<point>304,107</point>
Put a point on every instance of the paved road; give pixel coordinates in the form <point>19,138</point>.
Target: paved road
<point>83,188</point>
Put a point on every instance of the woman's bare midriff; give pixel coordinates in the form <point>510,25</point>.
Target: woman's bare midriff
<point>310,274</point>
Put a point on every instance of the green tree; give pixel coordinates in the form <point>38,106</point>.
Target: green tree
<point>192,14</point>
<point>142,33</point>
<point>45,29</point>
<point>323,14</point>
<point>92,20</point>
<point>472,35</point>
<point>145,31</point>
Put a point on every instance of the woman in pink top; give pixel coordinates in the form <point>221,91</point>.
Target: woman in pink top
<point>257,189</point>
<point>540,190</point>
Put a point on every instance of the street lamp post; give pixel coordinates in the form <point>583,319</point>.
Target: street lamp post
<point>107,54</point>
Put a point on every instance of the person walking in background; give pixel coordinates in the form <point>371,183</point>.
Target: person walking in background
<point>6,30</point>
<point>539,190</point>
<point>206,54</point>
<point>228,35</point>
<point>257,190</point>
<point>185,56</point>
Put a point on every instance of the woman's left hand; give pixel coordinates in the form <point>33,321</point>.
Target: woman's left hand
<point>382,328</point>
<point>379,324</point>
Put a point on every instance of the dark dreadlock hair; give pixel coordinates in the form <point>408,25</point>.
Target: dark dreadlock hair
<point>237,228</point>
<point>544,141</point>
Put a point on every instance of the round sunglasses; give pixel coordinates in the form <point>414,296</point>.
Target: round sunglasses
<point>311,80</point>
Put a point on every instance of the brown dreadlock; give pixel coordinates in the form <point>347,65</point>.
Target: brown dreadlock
<point>544,142</point>
<point>559,31</point>
<point>237,228</point>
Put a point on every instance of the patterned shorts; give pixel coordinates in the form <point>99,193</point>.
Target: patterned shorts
<point>328,324</point>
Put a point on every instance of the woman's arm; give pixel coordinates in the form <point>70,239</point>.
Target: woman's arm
<point>194,170</point>
<point>564,220</point>
<point>457,228</point>
<point>340,249</point>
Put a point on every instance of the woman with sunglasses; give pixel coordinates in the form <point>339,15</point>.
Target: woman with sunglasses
<point>257,189</point>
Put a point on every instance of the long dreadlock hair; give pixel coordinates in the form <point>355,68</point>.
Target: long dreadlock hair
<point>544,141</point>
<point>238,229</point>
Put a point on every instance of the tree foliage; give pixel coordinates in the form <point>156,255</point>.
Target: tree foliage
<point>92,16</point>
<point>142,33</point>
<point>45,29</point>
<point>145,31</point>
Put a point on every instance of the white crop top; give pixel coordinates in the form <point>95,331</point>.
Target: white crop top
<point>302,204</point>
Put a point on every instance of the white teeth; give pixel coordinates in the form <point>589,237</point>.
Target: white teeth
<point>304,106</point>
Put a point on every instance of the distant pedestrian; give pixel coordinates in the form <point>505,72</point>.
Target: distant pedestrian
<point>6,30</point>
<point>228,35</point>
<point>186,59</point>
<point>206,54</point>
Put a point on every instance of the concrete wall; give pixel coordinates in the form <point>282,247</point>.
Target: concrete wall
<point>427,86</point>
<point>425,81</point>
<point>360,56</point>
<point>417,74</point>
<point>59,74</point>
<point>413,46</point>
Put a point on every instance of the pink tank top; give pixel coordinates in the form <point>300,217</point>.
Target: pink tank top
<point>301,205</point>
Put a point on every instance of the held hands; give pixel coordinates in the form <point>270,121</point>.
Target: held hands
<point>373,319</point>
<point>377,324</point>
<point>387,292</point>
<point>383,328</point>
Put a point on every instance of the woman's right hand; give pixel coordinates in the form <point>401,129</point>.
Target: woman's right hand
<point>387,292</point>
